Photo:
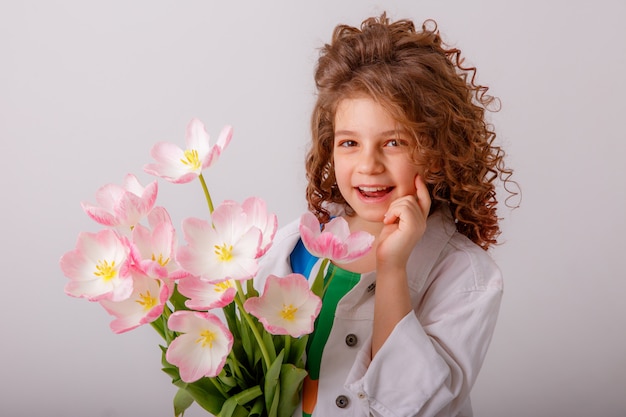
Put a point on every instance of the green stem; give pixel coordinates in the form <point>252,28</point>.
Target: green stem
<point>218,386</point>
<point>239,300</point>
<point>287,347</point>
<point>169,335</point>
<point>206,193</point>
<point>330,278</point>
<point>235,365</point>
<point>167,312</point>
<point>160,325</point>
<point>156,326</point>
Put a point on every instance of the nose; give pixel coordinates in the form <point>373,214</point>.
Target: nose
<point>370,161</point>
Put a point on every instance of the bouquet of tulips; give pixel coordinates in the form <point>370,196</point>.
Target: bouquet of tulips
<point>230,349</point>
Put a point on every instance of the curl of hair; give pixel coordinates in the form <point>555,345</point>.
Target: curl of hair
<point>426,88</point>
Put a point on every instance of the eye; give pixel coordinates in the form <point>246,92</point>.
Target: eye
<point>346,143</point>
<point>392,143</point>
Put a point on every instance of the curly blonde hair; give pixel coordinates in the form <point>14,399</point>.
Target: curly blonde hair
<point>426,88</point>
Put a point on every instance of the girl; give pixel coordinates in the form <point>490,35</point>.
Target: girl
<point>400,149</point>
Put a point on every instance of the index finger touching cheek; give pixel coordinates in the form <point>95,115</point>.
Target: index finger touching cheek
<point>422,195</point>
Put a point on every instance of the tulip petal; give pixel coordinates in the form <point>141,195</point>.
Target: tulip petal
<point>225,250</point>
<point>144,305</point>
<point>98,268</point>
<point>287,306</point>
<point>181,166</point>
<point>202,349</point>
<point>122,207</point>
<point>204,295</point>
<point>335,242</point>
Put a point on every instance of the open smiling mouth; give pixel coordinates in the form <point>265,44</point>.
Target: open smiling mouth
<point>374,192</point>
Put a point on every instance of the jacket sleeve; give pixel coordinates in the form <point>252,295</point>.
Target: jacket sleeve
<point>429,363</point>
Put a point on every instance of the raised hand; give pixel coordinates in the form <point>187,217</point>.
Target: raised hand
<point>404,226</point>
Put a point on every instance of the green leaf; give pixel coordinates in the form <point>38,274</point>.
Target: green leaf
<point>272,378</point>
<point>226,380</point>
<point>168,368</point>
<point>158,326</point>
<point>233,406</point>
<point>251,291</point>
<point>268,340</point>
<point>245,379</point>
<point>291,379</point>
<point>248,344</point>
<point>182,401</point>
<point>172,372</point>
<point>238,351</point>
<point>296,355</point>
<point>204,393</point>
<point>231,319</point>
<point>318,284</point>
<point>273,411</point>
<point>257,408</point>
<point>178,300</point>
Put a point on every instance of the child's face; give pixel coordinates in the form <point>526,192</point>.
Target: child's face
<point>372,158</point>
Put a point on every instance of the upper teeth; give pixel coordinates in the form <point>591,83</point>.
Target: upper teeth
<point>372,189</point>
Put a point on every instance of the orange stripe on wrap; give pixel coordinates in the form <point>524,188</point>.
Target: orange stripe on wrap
<point>309,394</point>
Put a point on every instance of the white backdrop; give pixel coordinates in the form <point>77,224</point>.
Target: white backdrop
<point>86,88</point>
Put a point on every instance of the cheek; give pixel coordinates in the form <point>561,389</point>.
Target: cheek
<point>341,171</point>
<point>409,174</point>
<point>343,179</point>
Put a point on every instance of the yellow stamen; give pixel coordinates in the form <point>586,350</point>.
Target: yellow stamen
<point>191,159</point>
<point>160,260</point>
<point>105,270</point>
<point>206,338</point>
<point>289,312</point>
<point>146,300</point>
<point>224,253</point>
<point>223,286</point>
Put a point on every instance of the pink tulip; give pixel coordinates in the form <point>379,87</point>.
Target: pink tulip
<point>180,166</point>
<point>144,305</point>
<point>257,216</point>
<point>154,247</point>
<point>202,348</point>
<point>287,306</point>
<point>122,207</point>
<point>335,242</point>
<point>227,249</point>
<point>204,295</point>
<point>99,267</point>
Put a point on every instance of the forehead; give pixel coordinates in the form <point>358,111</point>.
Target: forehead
<point>364,115</point>
<point>362,110</point>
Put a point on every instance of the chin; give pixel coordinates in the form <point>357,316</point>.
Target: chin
<point>370,216</point>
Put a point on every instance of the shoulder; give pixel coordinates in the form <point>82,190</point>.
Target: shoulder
<point>463,278</point>
<point>475,268</point>
<point>447,259</point>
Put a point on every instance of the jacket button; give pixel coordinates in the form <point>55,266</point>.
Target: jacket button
<point>342,401</point>
<point>351,340</point>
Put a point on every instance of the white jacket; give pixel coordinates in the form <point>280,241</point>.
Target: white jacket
<point>430,361</point>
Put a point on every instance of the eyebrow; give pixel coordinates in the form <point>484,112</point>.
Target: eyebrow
<point>385,133</point>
